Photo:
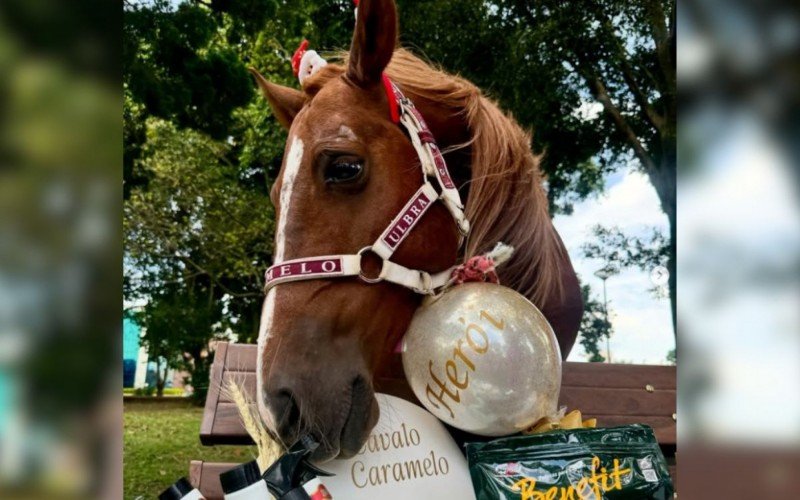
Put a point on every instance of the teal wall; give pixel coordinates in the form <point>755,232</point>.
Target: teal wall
<point>130,351</point>
<point>130,339</point>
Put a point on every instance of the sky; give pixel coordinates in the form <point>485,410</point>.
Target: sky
<point>642,323</point>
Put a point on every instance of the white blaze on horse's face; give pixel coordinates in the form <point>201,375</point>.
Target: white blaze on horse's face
<point>293,161</point>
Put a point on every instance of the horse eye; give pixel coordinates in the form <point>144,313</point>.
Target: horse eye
<point>343,170</point>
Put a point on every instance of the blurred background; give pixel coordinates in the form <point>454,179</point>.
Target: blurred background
<point>739,248</point>
<point>154,121</point>
<point>60,250</point>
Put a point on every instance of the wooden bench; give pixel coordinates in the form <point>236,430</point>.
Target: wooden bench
<point>614,394</point>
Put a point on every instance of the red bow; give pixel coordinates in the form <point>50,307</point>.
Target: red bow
<point>478,268</point>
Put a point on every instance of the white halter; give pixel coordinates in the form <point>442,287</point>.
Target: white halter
<point>433,167</point>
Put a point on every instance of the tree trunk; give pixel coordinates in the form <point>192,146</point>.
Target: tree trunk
<point>160,379</point>
<point>664,182</point>
<point>673,274</point>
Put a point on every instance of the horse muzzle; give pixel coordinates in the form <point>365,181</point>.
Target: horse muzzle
<point>338,410</point>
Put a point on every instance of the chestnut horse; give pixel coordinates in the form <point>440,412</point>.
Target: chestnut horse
<point>347,170</point>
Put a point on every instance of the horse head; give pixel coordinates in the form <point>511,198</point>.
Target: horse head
<point>347,171</point>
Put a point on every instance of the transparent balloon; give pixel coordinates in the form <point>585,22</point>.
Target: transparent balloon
<point>484,359</point>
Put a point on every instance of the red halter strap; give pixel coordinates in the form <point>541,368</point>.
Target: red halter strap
<point>394,111</point>
<point>402,112</point>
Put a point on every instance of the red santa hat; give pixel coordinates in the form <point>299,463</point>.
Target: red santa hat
<point>298,56</point>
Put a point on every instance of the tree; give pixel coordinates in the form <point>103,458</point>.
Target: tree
<point>178,323</point>
<point>624,53</point>
<point>201,150</point>
<point>624,251</point>
<point>160,341</point>
<point>198,156</point>
<point>621,250</point>
<point>594,326</point>
<point>195,222</point>
<point>195,244</point>
<point>178,68</point>
<point>594,79</point>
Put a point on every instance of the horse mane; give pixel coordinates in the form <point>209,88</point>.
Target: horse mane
<point>506,201</point>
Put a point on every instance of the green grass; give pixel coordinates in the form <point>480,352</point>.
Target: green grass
<point>160,440</point>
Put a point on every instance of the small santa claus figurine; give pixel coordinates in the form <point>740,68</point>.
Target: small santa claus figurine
<point>306,62</point>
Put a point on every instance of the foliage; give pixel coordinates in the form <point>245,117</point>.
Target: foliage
<point>672,356</point>
<point>198,153</point>
<point>178,69</point>
<point>621,250</point>
<point>197,213</point>
<point>594,326</point>
<point>196,240</point>
<point>594,80</point>
<point>199,376</point>
<point>146,391</point>
<point>175,322</point>
<point>557,58</point>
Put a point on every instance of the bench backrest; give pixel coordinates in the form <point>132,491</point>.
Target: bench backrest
<point>614,394</point>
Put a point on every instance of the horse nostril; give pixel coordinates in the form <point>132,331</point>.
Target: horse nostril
<point>359,386</point>
<point>361,416</point>
<point>286,412</point>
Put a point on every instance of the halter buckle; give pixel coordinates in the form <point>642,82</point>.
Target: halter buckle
<point>404,103</point>
<point>361,276</point>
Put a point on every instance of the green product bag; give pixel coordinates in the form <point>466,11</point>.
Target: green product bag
<point>582,464</point>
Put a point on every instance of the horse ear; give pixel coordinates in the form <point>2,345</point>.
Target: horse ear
<point>285,102</point>
<point>373,41</point>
